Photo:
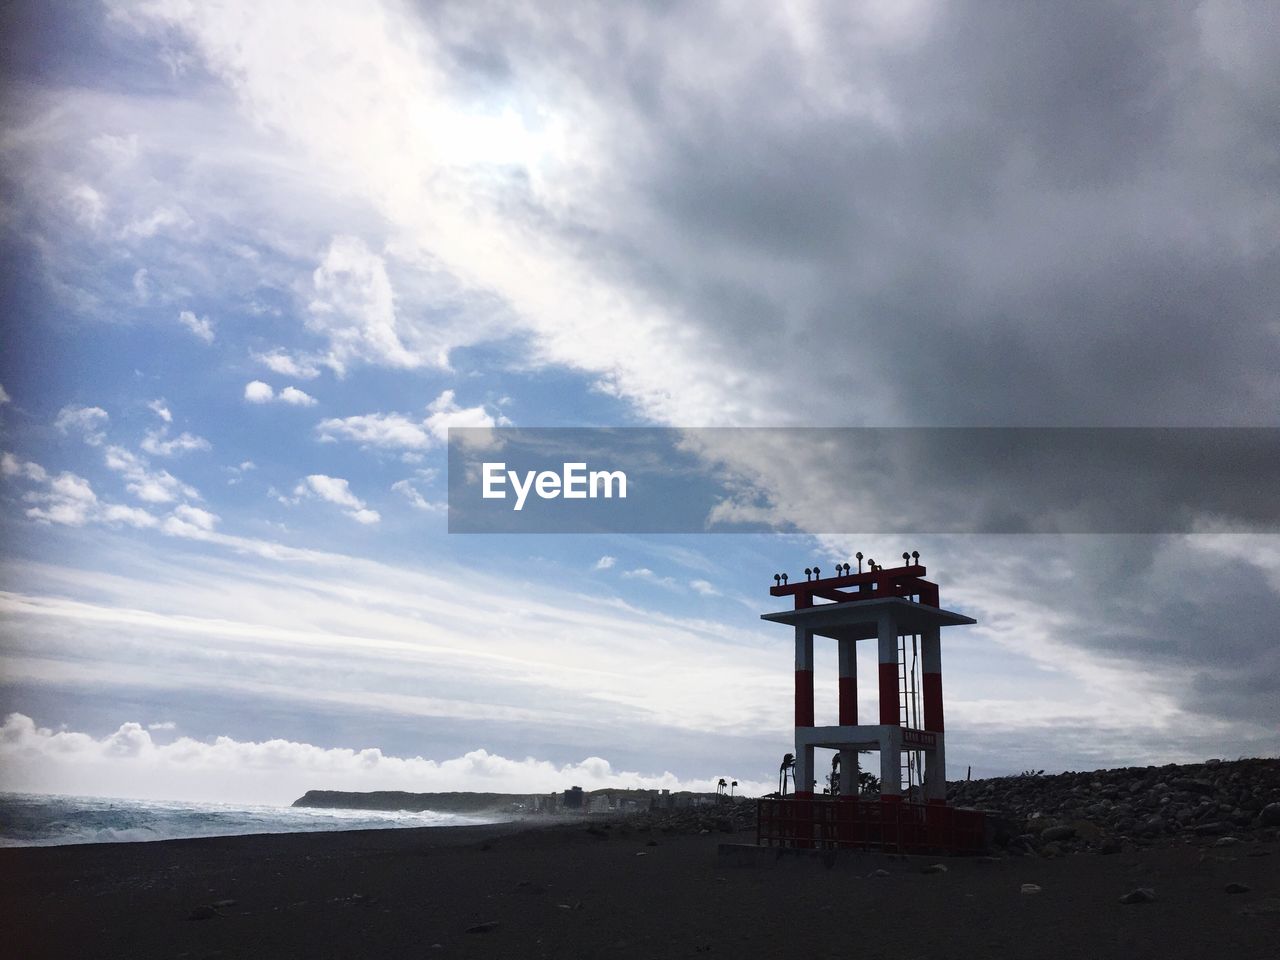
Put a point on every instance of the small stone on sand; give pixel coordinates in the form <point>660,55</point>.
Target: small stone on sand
<point>1139,895</point>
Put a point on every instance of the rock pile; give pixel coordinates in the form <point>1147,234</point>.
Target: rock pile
<point>729,816</point>
<point>1221,802</point>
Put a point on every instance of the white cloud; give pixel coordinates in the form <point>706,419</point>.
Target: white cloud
<point>354,307</point>
<point>87,204</point>
<point>644,573</point>
<point>141,288</point>
<point>202,519</point>
<point>4,395</point>
<point>391,125</point>
<point>296,397</point>
<point>117,513</point>
<point>255,391</point>
<point>117,150</point>
<point>200,327</point>
<point>158,442</point>
<point>89,421</point>
<point>68,499</point>
<point>377,430</point>
<point>338,491</point>
<point>606,562</point>
<point>704,587</point>
<point>160,220</point>
<point>333,489</point>
<point>159,408</point>
<point>162,725</point>
<point>398,431</point>
<point>258,392</point>
<point>277,771</point>
<point>410,493</point>
<point>239,470</point>
<point>444,412</point>
<point>11,466</point>
<point>278,361</point>
<point>150,486</point>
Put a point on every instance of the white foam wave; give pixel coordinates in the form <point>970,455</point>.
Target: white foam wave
<point>28,820</point>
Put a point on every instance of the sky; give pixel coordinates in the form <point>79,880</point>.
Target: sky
<point>260,258</point>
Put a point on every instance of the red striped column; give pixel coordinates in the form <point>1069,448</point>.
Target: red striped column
<point>935,769</point>
<point>804,678</point>
<point>804,713</point>
<point>890,746</point>
<point>890,709</point>
<point>931,673</point>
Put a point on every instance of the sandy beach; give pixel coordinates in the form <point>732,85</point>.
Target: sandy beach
<point>564,891</point>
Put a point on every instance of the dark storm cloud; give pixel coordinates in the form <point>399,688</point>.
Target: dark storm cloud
<point>1059,232</point>
<point>1188,617</point>
<point>1017,214</point>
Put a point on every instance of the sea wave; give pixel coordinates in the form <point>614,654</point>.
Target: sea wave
<point>35,820</point>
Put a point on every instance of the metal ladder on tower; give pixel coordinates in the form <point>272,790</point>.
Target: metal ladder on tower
<point>908,707</point>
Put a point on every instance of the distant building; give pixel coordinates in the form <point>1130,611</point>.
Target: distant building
<point>573,798</point>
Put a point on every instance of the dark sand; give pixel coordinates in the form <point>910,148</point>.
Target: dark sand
<point>563,892</point>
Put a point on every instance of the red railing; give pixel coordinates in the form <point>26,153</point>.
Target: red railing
<point>887,825</point>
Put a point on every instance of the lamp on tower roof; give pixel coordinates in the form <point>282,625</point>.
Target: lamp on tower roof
<point>858,557</point>
<point>808,572</point>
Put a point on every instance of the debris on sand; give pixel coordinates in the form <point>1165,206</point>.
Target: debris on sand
<point>1139,895</point>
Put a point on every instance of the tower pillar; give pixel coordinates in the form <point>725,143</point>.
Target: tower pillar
<point>890,710</point>
<point>935,763</point>
<point>848,714</point>
<point>804,711</point>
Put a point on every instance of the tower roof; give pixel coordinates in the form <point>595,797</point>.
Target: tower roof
<point>857,619</point>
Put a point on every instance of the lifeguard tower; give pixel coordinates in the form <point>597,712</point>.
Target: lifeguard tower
<point>898,609</point>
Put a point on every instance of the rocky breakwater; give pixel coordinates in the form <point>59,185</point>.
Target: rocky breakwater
<point>728,816</point>
<point>1219,803</point>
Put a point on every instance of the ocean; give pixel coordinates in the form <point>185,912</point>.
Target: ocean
<point>35,820</point>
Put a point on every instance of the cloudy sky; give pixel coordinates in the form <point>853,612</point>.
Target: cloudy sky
<point>261,257</point>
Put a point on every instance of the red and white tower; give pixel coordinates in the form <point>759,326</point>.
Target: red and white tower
<point>899,609</point>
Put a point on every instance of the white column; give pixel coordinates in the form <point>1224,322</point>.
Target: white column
<point>891,762</point>
<point>804,767</point>
<point>848,773</point>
